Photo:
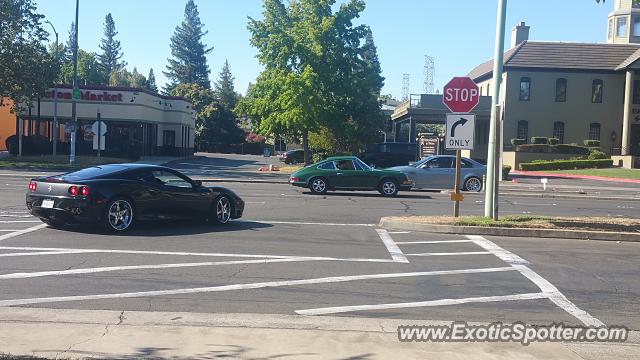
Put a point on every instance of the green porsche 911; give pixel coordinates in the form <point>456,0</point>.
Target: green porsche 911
<point>349,173</point>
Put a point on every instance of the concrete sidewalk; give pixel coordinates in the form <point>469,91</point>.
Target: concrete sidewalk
<point>127,335</point>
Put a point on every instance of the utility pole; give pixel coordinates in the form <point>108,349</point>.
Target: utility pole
<point>76,92</point>
<point>55,97</point>
<point>489,206</point>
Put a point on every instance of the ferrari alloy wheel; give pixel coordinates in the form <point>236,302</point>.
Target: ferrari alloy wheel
<point>119,215</point>
<point>222,210</point>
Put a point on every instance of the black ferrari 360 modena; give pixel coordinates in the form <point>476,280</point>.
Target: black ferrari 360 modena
<point>119,195</point>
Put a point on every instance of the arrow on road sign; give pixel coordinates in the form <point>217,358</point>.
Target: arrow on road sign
<point>460,122</point>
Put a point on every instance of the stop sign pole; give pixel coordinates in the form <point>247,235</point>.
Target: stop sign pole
<point>460,95</point>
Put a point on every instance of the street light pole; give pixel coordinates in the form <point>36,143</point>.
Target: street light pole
<point>55,97</point>
<point>74,115</point>
<point>489,206</point>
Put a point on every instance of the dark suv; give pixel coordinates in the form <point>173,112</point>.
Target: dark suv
<point>292,156</point>
<point>384,155</point>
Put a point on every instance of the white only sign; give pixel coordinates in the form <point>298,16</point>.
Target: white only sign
<point>460,131</point>
<point>99,129</point>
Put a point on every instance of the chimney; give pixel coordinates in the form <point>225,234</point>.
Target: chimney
<point>519,34</point>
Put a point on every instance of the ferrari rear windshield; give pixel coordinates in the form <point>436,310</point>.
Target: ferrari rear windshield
<point>94,172</point>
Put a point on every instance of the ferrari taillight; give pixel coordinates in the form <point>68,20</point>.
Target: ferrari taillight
<point>33,186</point>
<point>73,191</point>
<point>84,190</point>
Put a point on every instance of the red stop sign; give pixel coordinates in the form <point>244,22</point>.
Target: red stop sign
<point>461,95</point>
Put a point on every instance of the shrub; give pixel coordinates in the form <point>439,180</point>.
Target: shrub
<point>534,148</point>
<point>506,169</point>
<point>567,165</point>
<point>553,141</point>
<point>518,142</point>
<point>31,145</point>
<point>592,143</point>
<point>597,155</point>
<point>12,144</point>
<point>571,149</point>
<point>539,140</point>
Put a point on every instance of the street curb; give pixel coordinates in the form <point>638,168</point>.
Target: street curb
<point>389,223</point>
<point>565,196</point>
<point>573,176</point>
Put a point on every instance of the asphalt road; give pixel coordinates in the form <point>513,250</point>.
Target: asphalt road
<point>298,253</point>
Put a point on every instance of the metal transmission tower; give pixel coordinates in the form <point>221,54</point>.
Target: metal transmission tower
<point>429,71</point>
<point>405,87</point>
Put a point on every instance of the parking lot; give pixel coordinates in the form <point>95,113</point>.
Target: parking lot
<point>294,253</point>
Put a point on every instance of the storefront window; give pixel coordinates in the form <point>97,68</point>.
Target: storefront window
<point>169,138</point>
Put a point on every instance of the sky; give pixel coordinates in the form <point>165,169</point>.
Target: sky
<point>458,34</point>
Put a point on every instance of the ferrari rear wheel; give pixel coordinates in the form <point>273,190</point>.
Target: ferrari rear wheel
<point>222,209</point>
<point>119,215</point>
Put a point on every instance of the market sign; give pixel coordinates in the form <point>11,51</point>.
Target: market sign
<point>99,96</point>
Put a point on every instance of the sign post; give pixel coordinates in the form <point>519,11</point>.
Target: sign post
<point>461,95</point>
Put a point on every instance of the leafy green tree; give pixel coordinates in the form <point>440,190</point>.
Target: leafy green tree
<point>151,82</point>
<point>26,68</point>
<point>68,53</point>
<point>224,87</point>
<point>120,77</point>
<point>189,62</point>
<point>111,56</point>
<point>215,124</point>
<point>320,75</point>
<point>136,79</point>
<point>89,71</point>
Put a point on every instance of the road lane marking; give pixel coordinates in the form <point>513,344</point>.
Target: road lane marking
<point>21,232</point>
<point>38,253</point>
<point>19,221</point>
<point>550,291</point>
<point>432,242</point>
<point>399,232</point>
<point>394,250</point>
<point>63,251</point>
<point>9,230</point>
<point>25,275</point>
<point>441,302</point>
<point>453,253</point>
<point>249,286</point>
<point>504,255</point>
<point>557,297</point>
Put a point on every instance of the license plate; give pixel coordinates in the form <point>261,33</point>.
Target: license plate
<point>47,204</point>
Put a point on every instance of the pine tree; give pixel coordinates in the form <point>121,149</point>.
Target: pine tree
<point>189,64</point>
<point>224,88</point>
<point>151,81</point>
<point>68,54</point>
<point>111,56</point>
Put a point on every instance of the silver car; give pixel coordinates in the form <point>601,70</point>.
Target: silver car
<point>438,172</point>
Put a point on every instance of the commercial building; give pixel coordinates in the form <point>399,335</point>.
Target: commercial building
<point>137,121</point>
<point>569,91</point>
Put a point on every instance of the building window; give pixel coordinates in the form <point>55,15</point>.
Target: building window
<point>523,130</point>
<point>558,131</point>
<point>596,91</point>
<point>610,32</point>
<point>525,89</point>
<point>561,90</point>
<point>621,26</point>
<point>636,92</point>
<point>169,138</point>
<point>635,26</point>
<point>594,131</point>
